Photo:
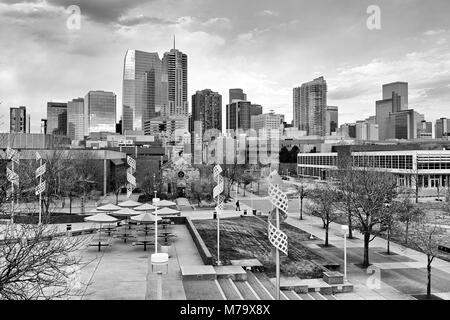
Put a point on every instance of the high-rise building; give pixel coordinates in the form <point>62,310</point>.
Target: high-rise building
<point>100,111</point>
<point>348,130</point>
<point>237,95</point>
<point>425,130</point>
<point>76,120</point>
<point>270,124</point>
<point>144,94</point>
<point>175,65</point>
<point>332,120</point>
<point>404,124</point>
<point>57,118</point>
<point>239,114</point>
<point>442,128</point>
<point>399,88</point>
<point>206,111</point>
<point>310,103</point>
<point>18,120</point>
<point>168,130</point>
<point>366,131</point>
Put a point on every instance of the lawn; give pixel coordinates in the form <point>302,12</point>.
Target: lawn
<point>246,238</point>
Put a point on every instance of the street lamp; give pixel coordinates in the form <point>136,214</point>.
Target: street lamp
<point>155,203</point>
<point>345,231</point>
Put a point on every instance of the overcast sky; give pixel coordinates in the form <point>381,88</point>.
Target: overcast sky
<point>265,47</point>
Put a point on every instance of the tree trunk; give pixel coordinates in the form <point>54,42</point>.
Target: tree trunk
<point>388,241</point>
<point>406,232</point>
<point>301,208</point>
<point>429,278</point>
<point>70,203</point>
<point>366,262</point>
<point>326,235</point>
<point>117,197</point>
<point>350,226</point>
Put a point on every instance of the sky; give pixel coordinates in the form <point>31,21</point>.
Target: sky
<point>264,47</point>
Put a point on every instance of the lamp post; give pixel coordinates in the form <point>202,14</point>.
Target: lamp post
<point>345,231</point>
<point>155,202</point>
<point>160,265</point>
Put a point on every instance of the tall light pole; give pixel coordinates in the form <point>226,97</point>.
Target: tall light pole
<point>345,231</point>
<point>155,202</point>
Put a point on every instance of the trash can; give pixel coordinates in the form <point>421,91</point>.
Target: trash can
<point>254,212</point>
<point>214,215</point>
<point>245,212</point>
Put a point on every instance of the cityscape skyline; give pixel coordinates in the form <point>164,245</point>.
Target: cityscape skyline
<point>354,80</point>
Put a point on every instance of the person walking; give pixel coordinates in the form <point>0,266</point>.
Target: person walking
<point>238,207</point>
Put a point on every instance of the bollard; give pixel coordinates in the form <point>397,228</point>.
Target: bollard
<point>245,212</point>
<point>214,215</point>
<point>69,229</point>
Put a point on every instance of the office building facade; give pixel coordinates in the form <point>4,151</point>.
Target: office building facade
<point>206,111</point>
<point>100,111</point>
<point>309,107</point>
<point>332,120</point>
<point>19,120</point>
<point>144,89</point>
<point>442,128</point>
<point>57,118</point>
<point>269,124</point>
<point>175,65</point>
<point>400,89</point>
<point>76,120</point>
<point>239,115</point>
<point>425,130</point>
<point>236,95</point>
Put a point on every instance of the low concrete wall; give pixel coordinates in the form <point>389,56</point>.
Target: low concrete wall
<point>201,246</point>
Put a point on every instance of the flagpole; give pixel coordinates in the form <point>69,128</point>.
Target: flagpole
<point>40,195</point>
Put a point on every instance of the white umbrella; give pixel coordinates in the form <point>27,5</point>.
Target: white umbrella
<point>93,211</point>
<point>129,204</point>
<point>109,207</point>
<point>125,212</point>
<point>165,203</point>
<point>101,218</point>
<point>145,218</point>
<point>145,207</point>
<point>167,211</point>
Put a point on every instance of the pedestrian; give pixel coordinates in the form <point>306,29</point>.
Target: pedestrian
<point>238,207</point>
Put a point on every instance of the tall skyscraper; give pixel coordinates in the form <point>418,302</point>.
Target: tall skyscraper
<point>310,104</point>
<point>57,118</point>
<point>144,88</point>
<point>332,120</point>
<point>18,120</point>
<point>239,114</point>
<point>237,95</point>
<point>442,128</point>
<point>399,88</point>
<point>100,111</point>
<point>206,111</point>
<point>175,65</point>
<point>76,120</point>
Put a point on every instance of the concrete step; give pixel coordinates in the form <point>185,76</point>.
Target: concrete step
<point>257,286</point>
<point>317,296</point>
<point>229,289</point>
<point>305,296</point>
<point>265,281</point>
<point>202,290</point>
<point>291,295</point>
<point>246,290</point>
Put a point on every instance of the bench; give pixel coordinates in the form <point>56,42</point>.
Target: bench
<point>100,243</point>
<point>444,249</point>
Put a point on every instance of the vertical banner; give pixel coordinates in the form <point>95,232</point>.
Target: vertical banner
<point>40,188</point>
<point>217,193</point>
<point>130,177</point>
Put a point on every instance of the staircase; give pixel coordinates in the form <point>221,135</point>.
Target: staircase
<point>257,287</point>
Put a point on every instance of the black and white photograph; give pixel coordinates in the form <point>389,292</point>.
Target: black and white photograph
<point>227,158</point>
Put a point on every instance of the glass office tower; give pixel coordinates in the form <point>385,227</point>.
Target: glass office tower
<point>100,110</point>
<point>57,118</point>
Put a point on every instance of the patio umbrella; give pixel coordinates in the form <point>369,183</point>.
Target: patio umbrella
<point>109,208</point>
<point>145,207</point>
<point>129,204</point>
<point>167,212</point>
<point>101,218</point>
<point>145,218</point>
<point>92,212</point>
<point>125,212</point>
<point>165,203</point>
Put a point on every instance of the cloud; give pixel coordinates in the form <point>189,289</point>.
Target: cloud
<point>267,13</point>
<point>434,32</point>
<point>141,19</point>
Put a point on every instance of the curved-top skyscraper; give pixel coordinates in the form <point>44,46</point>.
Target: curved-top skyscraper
<point>145,91</point>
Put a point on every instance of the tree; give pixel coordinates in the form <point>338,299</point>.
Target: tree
<point>389,223</point>
<point>408,212</point>
<point>37,263</point>
<point>301,193</point>
<point>325,207</point>
<point>427,237</point>
<point>344,204</point>
<point>119,182</point>
<point>246,179</point>
<point>367,192</point>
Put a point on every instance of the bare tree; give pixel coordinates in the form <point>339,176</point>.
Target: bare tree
<point>367,191</point>
<point>408,212</point>
<point>324,206</point>
<point>37,263</point>
<point>427,237</point>
<point>119,182</point>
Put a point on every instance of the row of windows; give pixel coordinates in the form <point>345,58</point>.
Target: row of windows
<point>433,165</point>
<point>387,162</point>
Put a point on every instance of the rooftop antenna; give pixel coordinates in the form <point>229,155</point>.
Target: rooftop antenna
<point>174,42</point>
